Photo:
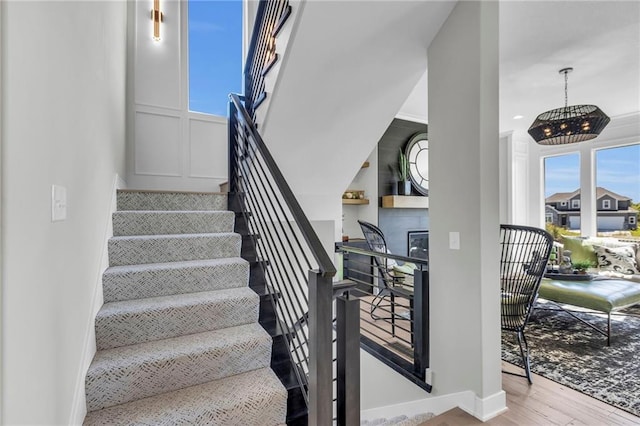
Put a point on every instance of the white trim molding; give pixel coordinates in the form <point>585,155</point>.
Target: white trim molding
<point>489,407</point>
<point>481,408</point>
<point>436,405</point>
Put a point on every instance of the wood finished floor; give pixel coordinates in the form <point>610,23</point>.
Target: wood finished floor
<point>543,403</point>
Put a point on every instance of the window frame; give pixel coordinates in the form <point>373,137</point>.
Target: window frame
<point>587,164</point>
<point>606,204</point>
<point>575,204</point>
<point>632,220</point>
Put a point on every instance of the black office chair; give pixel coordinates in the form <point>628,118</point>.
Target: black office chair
<point>523,261</point>
<point>391,283</point>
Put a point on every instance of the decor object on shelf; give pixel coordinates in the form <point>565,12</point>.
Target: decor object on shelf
<point>417,153</point>
<point>354,196</point>
<point>404,184</point>
<point>570,124</point>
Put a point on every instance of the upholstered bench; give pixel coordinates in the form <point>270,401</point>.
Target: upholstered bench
<point>602,295</point>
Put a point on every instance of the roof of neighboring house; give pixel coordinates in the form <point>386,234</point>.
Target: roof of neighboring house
<point>561,196</point>
<point>550,209</point>
<point>600,192</point>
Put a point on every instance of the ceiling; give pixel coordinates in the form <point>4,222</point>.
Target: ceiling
<point>600,40</point>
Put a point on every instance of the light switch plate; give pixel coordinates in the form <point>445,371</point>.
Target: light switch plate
<point>58,203</point>
<point>454,240</point>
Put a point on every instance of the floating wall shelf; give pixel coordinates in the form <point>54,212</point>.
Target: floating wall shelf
<point>405,202</point>
<point>355,201</point>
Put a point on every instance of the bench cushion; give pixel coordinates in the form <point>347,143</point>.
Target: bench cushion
<point>599,295</point>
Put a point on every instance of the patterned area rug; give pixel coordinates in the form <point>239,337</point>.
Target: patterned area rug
<point>568,352</point>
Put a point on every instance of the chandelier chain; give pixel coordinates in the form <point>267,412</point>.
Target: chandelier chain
<point>566,96</point>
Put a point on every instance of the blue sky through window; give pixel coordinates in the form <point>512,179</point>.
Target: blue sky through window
<point>617,169</point>
<point>215,54</point>
<point>561,174</point>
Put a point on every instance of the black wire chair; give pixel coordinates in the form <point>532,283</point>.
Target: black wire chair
<point>523,261</point>
<point>392,284</point>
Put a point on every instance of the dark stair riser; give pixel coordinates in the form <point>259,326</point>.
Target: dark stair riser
<point>248,250</point>
<point>285,370</point>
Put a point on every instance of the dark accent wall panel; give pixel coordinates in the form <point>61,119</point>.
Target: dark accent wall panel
<point>397,135</point>
<point>396,223</point>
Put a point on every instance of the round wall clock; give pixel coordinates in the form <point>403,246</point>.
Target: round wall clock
<point>417,152</point>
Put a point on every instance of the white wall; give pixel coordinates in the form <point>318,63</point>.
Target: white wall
<point>463,165</point>
<point>344,88</point>
<point>63,115</point>
<point>169,146</point>
<point>415,108</point>
<point>365,179</point>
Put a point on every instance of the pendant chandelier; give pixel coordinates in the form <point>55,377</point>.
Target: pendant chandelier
<point>570,124</point>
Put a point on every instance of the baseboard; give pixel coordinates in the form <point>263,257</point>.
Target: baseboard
<point>436,405</point>
<point>79,406</point>
<point>486,408</point>
<point>481,408</point>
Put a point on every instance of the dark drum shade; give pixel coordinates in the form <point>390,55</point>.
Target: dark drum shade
<point>569,124</point>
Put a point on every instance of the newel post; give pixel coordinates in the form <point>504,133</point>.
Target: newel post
<point>421,318</point>
<point>348,359</point>
<point>320,350</point>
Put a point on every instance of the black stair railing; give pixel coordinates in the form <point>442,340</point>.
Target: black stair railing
<point>270,17</point>
<point>297,272</point>
<point>394,309</point>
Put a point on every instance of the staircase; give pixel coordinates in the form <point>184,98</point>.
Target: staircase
<point>178,336</point>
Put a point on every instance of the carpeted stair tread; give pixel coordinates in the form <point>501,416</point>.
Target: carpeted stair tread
<point>133,250</point>
<point>133,372</point>
<point>253,398</point>
<point>128,282</point>
<point>142,320</point>
<point>168,200</point>
<point>148,222</point>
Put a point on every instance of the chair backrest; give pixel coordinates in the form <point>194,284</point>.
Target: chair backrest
<point>376,242</point>
<point>523,260</point>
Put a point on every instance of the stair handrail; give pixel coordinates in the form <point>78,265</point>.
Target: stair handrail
<point>325,265</point>
<point>261,56</point>
<point>296,272</point>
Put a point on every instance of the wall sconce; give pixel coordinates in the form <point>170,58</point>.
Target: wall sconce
<point>271,48</point>
<point>156,17</point>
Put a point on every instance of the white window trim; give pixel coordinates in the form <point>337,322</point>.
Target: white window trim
<point>622,133</point>
<point>549,218</point>
<point>575,204</point>
<point>632,220</point>
<point>606,204</point>
<point>563,203</point>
